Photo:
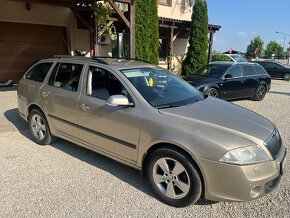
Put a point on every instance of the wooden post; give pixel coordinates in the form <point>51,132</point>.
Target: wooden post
<point>211,35</point>
<point>169,64</point>
<point>132,29</point>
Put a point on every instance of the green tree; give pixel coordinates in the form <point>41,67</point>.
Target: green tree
<point>147,30</point>
<point>198,41</point>
<point>252,50</point>
<point>217,56</point>
<point>274,48</point>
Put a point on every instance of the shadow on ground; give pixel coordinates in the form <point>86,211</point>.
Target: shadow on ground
<point>280,93</point>
<point>122,172</point>
<point>14,118</point>
<point>9,88</point>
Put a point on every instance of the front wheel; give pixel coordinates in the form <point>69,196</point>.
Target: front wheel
<point>287,77</point>
<point>260,93</point>
<point>173,178</point>
<point>213,93</point>
<point>39,128</point>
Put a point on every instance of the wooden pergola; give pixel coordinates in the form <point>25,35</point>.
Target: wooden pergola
<point>84,12</point>
<point>81,8</point>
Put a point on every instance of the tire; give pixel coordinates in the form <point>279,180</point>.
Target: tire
<point>179,183</point>
<point>287,77</point>
<point>260,93</point>
<point>213,92</point>
<point>39,128</point>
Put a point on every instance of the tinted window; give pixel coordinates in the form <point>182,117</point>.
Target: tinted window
<point>102,84</point>
<point>234,72</point>
<point>66,76</point>
<point>38,72</point>
<point>248,70</point>
<point>259,70</point>
<point>273,66</point>
<point>212,70</point>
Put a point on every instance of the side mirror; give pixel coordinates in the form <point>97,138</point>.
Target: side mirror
<point>228,76</point>
<point>118,100</point>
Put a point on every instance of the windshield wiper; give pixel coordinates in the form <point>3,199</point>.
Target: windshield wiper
<point>167,106</point>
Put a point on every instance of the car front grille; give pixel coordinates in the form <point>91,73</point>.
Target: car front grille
<point>274,143</point>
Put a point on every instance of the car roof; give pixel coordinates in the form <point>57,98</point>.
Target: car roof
<point>116,63</point>
<point>232,63</point>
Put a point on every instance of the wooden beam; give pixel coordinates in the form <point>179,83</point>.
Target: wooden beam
<point>132,29</point>
<point>211,36</point>
<point>119,13</point>
<point>80,17</point>
<point>102,31</point>
<point>176,35</point>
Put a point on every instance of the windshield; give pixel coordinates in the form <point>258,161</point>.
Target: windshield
<point>212,70</point>
<point>161,88</point>
<point>238,58</point>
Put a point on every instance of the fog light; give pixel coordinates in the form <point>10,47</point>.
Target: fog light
<point>255,192</point>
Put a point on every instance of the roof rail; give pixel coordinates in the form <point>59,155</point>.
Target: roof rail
<point>123,58</point>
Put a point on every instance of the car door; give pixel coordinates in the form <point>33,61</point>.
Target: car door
<point>250,80</point>
<point>60,98</point>
<point>274,70</point>
<point>113,130</point>
<point>233,83</point>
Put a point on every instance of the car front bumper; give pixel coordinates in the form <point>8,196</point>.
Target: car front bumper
<point>226,182</point>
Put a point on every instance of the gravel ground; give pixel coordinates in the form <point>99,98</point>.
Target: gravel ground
<point>64,180</point>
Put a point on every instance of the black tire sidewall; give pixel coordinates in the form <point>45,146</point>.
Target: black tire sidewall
<point>195,179</point>
<point>48,137</point>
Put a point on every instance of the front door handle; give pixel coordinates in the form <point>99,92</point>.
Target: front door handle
<point>84,107</point>
<point>44,94</point>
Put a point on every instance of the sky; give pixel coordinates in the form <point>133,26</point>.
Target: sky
<point>242,20</point>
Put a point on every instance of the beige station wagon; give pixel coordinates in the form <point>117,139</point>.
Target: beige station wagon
<point>189,145</point>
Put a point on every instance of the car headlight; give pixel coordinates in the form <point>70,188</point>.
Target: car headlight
<point>245,155</point>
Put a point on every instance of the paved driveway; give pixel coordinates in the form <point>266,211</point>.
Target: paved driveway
<point>64,180</point>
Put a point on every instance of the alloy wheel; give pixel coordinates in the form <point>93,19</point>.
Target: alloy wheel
<point>38,127</point>
<point>171,178</point>
<point>213,93</point>
<point>261,92</point>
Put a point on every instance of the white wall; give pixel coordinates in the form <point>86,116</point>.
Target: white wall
<point>180,9</point>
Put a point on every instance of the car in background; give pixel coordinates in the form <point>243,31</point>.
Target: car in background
<point>236,58</point>
<point>275,69</point>
<point>230,80</point>
<point>188,145</point>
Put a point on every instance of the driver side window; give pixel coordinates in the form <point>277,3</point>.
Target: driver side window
<point>234,72</point>
<point>102,84</point>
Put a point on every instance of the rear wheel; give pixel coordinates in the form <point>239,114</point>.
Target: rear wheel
<point>173,178</point>
<point>39,128</point>
<point>213,93</point>
<point>287,76</point>
<point>260,93</point>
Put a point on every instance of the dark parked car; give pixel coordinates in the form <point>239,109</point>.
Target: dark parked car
<point>276,70</point>
<point>228,80</point>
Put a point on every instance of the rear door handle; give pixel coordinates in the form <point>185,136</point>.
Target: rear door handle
<point>84,107</point>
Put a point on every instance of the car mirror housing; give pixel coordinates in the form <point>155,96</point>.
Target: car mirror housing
<point>228,76</point>
<point>118,100</point>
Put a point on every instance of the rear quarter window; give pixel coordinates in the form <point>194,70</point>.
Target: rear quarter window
<point>259,70</point>
<point>38,72</point>
<point>248,70</point>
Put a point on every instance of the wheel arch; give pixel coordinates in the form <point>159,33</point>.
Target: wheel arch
<point>175,148</point>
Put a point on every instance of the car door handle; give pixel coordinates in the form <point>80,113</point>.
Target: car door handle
<point>84,107</point>
<point>44,94</point>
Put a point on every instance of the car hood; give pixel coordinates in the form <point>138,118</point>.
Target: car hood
<point>196,80</point>
<point>218,114</point>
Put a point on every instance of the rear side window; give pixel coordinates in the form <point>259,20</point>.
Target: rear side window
<point>38,72</point>
<point>234,72</point>
<point>259,70</point>
<point>248,70</point>
<point>66,76</point>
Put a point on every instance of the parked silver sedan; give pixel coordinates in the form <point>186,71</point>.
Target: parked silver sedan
<point>188,145</point>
